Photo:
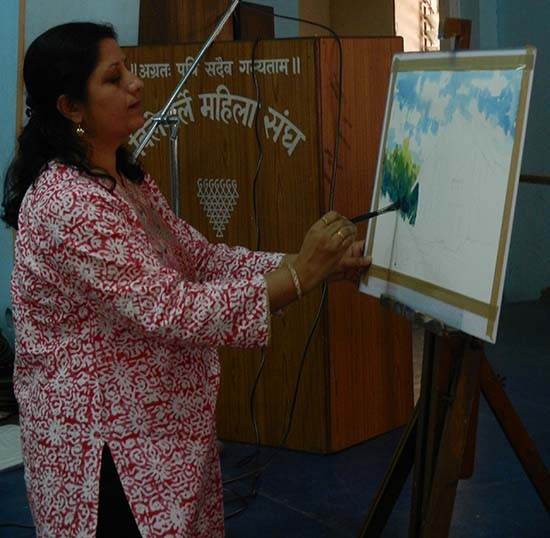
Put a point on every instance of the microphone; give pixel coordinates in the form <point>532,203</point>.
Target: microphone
<point>366,216</point>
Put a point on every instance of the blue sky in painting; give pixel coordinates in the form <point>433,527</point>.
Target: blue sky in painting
<point>431,99</point>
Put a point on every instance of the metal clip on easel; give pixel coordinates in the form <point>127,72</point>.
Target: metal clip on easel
<point>166,117</point>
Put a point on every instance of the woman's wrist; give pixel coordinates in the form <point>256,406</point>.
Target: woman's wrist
<point>284,284</point>
<point>288,259</point>
<point>304,276</point>
<point>295,279</point>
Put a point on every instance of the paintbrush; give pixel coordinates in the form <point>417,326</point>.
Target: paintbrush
<point>366,216</point>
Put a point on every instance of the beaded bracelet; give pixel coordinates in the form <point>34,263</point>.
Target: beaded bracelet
<point>296,280</point>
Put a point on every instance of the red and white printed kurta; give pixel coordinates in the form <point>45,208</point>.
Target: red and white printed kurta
<point>118,316</point>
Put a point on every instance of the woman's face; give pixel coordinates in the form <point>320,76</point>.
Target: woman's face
<point>112,110</point>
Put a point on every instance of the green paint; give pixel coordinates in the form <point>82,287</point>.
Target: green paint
<point>399,173</point>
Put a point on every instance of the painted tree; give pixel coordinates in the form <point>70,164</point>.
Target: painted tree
<point>399,175</point>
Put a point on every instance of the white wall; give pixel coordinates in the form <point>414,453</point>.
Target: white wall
<point>43,14</point>
<point>407,24</point>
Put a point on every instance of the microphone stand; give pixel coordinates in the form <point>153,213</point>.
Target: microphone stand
<point>174,123</point>
<point>165,117</point>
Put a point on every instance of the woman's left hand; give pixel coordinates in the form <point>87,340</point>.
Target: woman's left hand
<point>352,264</point>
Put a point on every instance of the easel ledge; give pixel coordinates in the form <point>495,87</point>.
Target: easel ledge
<point>417,318</point>
<point>439,440</point>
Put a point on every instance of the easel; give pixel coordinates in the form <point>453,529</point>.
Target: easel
<point>439,439</point>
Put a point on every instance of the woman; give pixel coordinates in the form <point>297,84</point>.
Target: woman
<point>119,308</point>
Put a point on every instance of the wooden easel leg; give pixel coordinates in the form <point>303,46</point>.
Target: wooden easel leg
<point>412,449</point>
<point>463,392</point>
<point>519,439</point>
<point>468,460</point>
<point>435,379</point>
<point>388,493</point>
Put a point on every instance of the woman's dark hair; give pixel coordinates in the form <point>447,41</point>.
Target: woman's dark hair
<point>58,62</point>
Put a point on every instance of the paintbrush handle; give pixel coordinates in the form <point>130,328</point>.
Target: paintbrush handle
<point>366,216</point>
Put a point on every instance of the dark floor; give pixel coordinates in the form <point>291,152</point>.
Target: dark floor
<point>304,495</point>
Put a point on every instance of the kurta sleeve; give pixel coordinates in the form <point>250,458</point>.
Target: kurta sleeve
<point>99,254</point>
<point>213,260</point>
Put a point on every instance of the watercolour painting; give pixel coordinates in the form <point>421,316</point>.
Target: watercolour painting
<point>450,155</point>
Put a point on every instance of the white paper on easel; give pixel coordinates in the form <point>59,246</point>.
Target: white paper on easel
<point>450,153</point>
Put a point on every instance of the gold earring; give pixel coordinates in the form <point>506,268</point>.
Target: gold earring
<point>79,130</point>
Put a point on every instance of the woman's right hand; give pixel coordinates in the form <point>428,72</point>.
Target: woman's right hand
<point>324,245</point>
<point>321,255</point>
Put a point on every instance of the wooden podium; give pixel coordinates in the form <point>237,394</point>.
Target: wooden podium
<point>357,380</point>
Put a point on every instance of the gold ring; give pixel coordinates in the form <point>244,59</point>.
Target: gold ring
<point>324,219</point>
<point>339,232</point>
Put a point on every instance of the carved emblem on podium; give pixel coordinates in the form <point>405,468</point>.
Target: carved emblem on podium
<point>217,198</point>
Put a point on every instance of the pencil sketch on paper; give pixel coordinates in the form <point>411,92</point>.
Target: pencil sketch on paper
<point>450,154</point>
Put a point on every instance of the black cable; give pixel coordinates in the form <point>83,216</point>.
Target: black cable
<point>339,102</point>
<point>258,242</point>
<point>255,473</point>
<point>243,499</point>
<point>259,470</point>
<point>258,145</point>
